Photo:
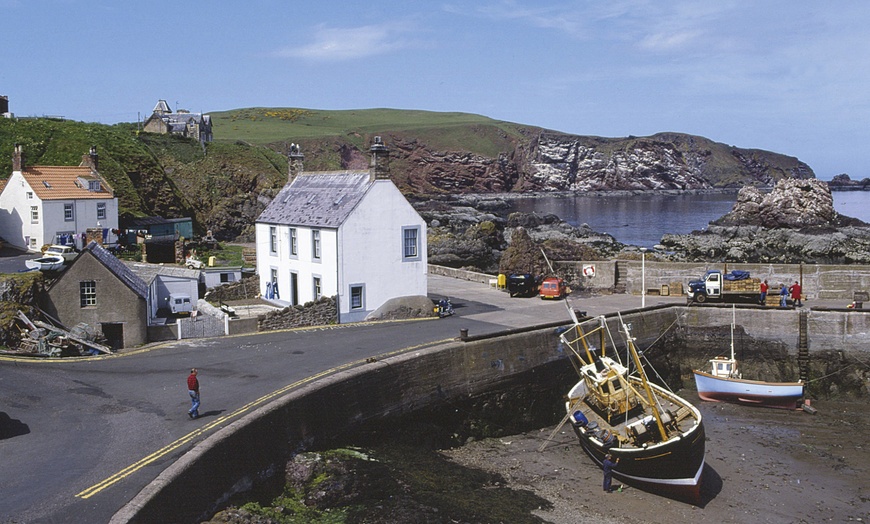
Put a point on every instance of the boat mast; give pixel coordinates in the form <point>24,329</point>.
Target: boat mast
<point>733,319</point>
<point>649,393</point>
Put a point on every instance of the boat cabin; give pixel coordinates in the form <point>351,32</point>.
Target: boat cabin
<point>724,367</point>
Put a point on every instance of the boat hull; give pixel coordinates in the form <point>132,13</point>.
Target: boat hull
<point>51,263</point>
<point>783,395</point>
<point>672,469</point>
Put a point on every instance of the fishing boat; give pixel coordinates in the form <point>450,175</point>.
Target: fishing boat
<point>657,436</point>
<point>45,263</point>
<point>725,383</point>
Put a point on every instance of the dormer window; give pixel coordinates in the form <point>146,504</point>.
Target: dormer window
<point>94,185</point>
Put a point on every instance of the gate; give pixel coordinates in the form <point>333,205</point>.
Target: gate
<point>200,326</point>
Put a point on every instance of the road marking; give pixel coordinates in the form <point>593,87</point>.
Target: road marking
<point>133,468</point>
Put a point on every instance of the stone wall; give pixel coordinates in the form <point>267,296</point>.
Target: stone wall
<point>319,313</point>
<point>245,289</point>
<point>259,444</point>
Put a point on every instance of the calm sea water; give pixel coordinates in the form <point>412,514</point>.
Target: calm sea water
<point>642,220</point>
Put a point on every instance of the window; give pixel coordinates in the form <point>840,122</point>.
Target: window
<point>30,195</point>
<point>411,243</point>
<point>315,244</point>
<point>317,291</point>
<point>34,214</point>
<point>101,211</point>
<point>273,240</point>
<point>88,293</point>
<point>68,212</point>
<point>356,297</point>
<point>226,277</point>
<point>294,247</point>
<point>93,185</point>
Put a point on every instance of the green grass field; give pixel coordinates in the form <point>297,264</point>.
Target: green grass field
<point>261,125</point>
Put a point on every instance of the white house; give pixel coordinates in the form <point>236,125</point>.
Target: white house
<point>56,204</point>
<point>348,234</point>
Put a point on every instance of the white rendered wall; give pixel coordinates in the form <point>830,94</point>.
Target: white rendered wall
<point>371,243</point>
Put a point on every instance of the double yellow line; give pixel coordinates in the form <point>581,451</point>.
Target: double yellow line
<point>133,468</point>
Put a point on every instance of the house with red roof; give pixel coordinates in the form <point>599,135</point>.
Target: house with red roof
<point>67,205</point>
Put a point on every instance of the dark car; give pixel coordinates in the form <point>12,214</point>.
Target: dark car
<point>522,284</point>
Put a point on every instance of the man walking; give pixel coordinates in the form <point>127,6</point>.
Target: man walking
<point>193,391</point>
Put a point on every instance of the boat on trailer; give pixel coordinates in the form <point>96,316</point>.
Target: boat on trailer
<point>657,435</point>
<point>725,383</point>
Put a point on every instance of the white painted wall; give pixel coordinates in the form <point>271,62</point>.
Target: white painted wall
<point>15,211</point>
<point>371,251</point>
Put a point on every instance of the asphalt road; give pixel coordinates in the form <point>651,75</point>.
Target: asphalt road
<point>79,439</point>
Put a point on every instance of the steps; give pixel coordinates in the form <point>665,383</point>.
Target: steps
<point>803,349</point>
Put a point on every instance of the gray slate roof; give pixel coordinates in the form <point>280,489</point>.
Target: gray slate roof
<point>119,269</point>
<point>318,199</point>
<point>148,272</point>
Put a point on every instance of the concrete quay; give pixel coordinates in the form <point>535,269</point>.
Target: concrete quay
<point>510,336</point>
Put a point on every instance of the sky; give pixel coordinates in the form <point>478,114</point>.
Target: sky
<point>790,76</point>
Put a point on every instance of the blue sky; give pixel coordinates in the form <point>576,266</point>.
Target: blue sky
<point>786,76</point>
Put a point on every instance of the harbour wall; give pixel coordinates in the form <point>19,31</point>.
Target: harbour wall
<point>819,281</point>
<point>257,446</point>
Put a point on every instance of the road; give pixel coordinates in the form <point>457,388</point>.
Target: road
<point>78,439</point>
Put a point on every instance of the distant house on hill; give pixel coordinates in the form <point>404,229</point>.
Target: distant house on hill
<point>184,123</point>
<point>347,234</point>
<point>69,205</point>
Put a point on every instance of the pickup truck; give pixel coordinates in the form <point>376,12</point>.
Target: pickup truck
<point>727,287</point>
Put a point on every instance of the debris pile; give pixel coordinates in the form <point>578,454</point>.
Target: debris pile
<point>45,340</point>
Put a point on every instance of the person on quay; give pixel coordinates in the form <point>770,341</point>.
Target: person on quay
<point>783,295</point>
<point>795,291</point>
<point>764,288</point>
<point>608,465</point>
<point>193,391</point>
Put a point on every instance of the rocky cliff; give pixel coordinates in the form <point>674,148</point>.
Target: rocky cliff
<point>539,160</point>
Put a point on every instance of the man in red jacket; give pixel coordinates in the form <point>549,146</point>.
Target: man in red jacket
<point>193,391</point>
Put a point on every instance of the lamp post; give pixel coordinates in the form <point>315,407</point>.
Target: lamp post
<point>643,277</point>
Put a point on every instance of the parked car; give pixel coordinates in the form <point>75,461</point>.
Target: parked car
<point>68,253</point>
<point>522,284</point>
<point>553,287</point>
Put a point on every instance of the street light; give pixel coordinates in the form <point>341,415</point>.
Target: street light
<point>643,276</point>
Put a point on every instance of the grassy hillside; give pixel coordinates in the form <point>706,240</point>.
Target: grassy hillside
<point>443,131</point>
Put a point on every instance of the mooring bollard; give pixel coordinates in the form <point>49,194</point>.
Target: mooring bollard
<point>463,333</point>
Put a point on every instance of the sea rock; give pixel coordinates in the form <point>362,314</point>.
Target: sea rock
<point>794,223</point>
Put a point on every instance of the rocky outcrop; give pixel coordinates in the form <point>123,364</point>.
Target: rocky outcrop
<point>795,222</point>
<point>844,182</point>
<point>473,232</point>
<point>549,161</point>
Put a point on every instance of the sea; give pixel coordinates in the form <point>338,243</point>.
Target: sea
<point>642,219</point>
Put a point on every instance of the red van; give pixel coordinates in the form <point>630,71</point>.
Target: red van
<point>553,287</point>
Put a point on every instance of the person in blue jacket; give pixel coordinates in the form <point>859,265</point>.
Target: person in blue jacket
<point>783,295</point>
<point>608,465</point>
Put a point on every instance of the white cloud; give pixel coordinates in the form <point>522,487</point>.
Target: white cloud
<point>336,44</point>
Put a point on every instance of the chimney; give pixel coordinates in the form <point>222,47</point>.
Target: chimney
<point>91,159</point>
<point>294,159</point>
<point>380,166</point>
<point>17,158</point>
